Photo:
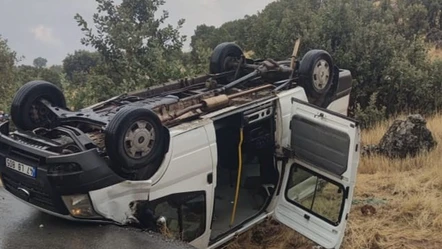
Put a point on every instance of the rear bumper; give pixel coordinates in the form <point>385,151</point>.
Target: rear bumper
<point>46,189</point>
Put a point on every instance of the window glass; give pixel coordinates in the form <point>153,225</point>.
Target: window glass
<point>185,214</point>
<point>315,194</point>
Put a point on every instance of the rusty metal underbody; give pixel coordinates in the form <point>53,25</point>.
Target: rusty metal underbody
<point>198,97</point>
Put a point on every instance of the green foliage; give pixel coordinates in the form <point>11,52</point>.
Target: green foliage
<point>97,88</point>
<point>27,73</point>
<point>40,62</point>
<point>198,62</point>
<point>372,114</point>
<point>383,43</point>
<point>56,69</point>
<point>7,74</point>
<point>132,43</point>
<point>79,65</point>
<point>208,35</point>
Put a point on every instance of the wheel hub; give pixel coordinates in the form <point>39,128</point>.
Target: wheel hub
<point>321,74</point>
<point>39,114</point>
<point>139,139</point>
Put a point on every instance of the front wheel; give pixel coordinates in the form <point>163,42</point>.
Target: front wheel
<point>134,139</point>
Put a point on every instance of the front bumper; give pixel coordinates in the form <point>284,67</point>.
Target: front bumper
<point>46,189</point>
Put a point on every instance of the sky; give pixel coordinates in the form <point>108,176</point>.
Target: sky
<point>47,28</point>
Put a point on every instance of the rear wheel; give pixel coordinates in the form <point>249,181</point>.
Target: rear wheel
<point>134,139</point>
<point>316,73</point>
<point>28,111</point>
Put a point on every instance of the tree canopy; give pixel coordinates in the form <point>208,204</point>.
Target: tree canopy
<point>384,44</point>
<point>132,41</point>
<point>40,62</point>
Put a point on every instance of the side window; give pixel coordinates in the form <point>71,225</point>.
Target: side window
<point>315,194</point>
<point>185,214</point>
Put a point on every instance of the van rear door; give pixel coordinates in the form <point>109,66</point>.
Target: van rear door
<point>319,177</point>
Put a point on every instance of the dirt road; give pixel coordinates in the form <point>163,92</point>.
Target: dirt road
<point>23,227</point>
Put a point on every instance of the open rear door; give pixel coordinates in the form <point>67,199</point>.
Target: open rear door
<point>319,178</point>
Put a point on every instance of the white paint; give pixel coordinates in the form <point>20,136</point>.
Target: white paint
<point>289,214</point>
<point>184,169</point>
<point>113,202</point>
<point>284,114</point>
<point>340,105</point>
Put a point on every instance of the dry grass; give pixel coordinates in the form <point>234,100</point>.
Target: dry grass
<point>435,53</point>
<point>407,196</point>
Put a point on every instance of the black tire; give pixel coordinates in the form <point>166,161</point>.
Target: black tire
<point>316,83</point>
<point>27,98</point>
<point>222,55</point>
<point>115,139</point>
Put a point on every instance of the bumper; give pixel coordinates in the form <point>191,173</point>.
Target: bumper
<point>45,190</point>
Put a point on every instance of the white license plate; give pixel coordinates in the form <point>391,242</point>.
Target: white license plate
<point>21,167</point>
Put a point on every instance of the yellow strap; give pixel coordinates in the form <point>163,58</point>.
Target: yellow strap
<point>238,181</point>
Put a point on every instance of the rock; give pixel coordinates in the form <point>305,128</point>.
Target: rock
<point>404,138</point>
<point>368,210</point>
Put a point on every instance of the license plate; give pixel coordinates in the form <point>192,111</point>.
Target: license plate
<point>21,167</point>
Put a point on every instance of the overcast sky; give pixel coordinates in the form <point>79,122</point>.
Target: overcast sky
<point>47,28</point>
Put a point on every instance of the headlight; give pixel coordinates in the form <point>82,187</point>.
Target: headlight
<point>80,206</point>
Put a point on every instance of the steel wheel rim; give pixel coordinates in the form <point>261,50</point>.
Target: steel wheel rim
<point>321,74</point>
<point>139,139</point>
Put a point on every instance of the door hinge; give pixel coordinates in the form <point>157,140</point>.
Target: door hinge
<point>357,147</point>
<point>281,157</point>
<point>320,115</point>
<point>288,152</point>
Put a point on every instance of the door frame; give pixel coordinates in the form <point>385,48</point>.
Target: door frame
<point>262,214</point>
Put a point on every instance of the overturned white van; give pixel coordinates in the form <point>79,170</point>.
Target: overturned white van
<point>207,157</point>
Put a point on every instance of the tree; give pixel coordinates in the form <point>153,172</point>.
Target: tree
<point>209,36</point>
<point>79,65</point>
<point>26,73</point>
<point>133,46</point>
<point>40,62</point>
<point>8,85</point>
<point>56,69</point>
